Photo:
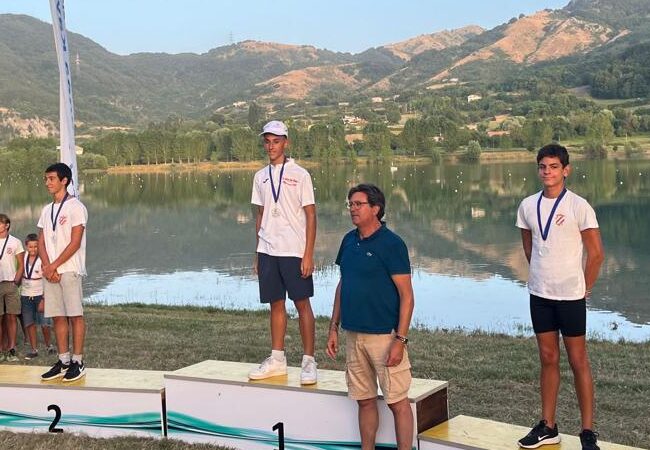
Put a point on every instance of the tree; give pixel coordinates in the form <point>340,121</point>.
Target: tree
<point>536,133</point>
<point>600,131</point>
<point>256,115</point>
<point>473,152</point>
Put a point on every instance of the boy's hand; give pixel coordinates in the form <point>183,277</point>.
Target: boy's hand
<point>48,270</point>
<point>307,266</point>
<point>54,278</point>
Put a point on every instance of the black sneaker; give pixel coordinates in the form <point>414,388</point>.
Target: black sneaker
<point>588,440</point>
<point>57,371</point>
<point>31,354</point>
<point>12,356</point>
<point>76,371</point>
<point>540,435</point>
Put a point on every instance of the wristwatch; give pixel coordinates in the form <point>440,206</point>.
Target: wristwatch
<point>403,339</point>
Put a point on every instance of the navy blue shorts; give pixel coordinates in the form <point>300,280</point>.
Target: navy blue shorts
<point>567,316</point>
<point>279,275</point>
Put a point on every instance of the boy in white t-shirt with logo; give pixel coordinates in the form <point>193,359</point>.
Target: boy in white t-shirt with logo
<point>557,228</point>
<point>11,270</point>
<point>284,261</point>
<point>31,298</point>
<point>62,249</point>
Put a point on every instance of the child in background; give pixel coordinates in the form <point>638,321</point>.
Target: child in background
<point>31,298</point>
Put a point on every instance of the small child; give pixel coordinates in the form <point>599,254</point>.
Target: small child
<point>32,301</point>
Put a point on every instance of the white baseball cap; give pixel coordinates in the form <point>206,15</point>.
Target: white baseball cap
<point>275,127</point>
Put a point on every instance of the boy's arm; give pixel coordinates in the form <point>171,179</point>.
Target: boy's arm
<point>595,256</point>
<point>307,263</point>
<point>45,260</point>
<point>527,242</point>
<point>21,267</point>
<point>258,224</point>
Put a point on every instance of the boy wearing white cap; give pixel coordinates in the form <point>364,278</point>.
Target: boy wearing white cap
<point>284,262</point>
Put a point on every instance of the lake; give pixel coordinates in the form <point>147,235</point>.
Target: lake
<point>188,238</point>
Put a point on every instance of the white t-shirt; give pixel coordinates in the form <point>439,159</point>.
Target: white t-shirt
<point>284,234</point>
<point>31,287</point>
<point>556,268</point>
<point>8,261</point>
<point>72,213</point>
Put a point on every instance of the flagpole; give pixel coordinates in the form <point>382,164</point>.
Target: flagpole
<point>68,153</point>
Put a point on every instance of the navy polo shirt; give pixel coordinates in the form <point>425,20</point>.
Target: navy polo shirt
<point>369,298</point>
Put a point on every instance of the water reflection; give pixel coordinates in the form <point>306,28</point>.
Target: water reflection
<point>188,238</point>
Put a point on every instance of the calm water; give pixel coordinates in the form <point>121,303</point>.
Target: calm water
<point>188,239</point>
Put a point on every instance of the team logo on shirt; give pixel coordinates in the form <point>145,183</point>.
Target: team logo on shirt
<point>559,219</point>
<point>10,251</point>
<point>290,181</point>
<point>62,220</point>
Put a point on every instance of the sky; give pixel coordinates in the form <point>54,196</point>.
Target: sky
<point>132,26</point>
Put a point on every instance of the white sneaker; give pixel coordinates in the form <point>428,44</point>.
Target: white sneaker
<point>308,374</point>
<point>270,367</point>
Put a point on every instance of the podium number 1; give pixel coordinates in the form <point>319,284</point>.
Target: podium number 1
<point>280,427</point>
<point>57,417</point>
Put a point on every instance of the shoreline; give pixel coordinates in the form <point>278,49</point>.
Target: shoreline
<point>487,157</point>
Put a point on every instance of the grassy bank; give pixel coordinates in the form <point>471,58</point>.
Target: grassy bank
<point>491,376</point>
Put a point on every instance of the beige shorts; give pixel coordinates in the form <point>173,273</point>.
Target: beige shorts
<point>63,299</point>
<point>9,298</point>
<point>366,363</point>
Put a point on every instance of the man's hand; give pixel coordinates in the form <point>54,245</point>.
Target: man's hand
<point>395,353</point>
<point>332,343</point>
<point>48,271</point>
<point>255,263</point>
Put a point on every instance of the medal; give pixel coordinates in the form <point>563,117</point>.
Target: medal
<point>54,218</point>
<point>275,212</point>
<point>543,250</point>
<point>544,231</point>
<point>29,271</point>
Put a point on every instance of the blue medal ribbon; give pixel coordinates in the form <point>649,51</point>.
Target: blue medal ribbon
<point>276,195</point>
<point>54,218</point>
<point>2,253</point>
<point>544,231</point>
<point>28,271</point>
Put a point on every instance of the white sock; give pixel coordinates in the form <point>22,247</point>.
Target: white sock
<point>78,358</point>
<point>308,358</point>
<point>65,357</point>
<point>278,355</point>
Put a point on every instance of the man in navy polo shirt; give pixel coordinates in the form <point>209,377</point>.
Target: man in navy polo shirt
<point>374,303</point>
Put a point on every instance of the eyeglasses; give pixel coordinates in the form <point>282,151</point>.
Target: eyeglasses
<point>351,205</point>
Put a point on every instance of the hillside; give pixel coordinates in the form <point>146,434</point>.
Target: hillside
<point>436,41</point>
<point>602,44</point>
<point>140,87</point>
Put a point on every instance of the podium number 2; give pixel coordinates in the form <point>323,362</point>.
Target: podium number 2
<point>280,427</point>
<point>57,417</point>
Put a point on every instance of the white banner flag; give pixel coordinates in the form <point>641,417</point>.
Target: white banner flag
<point>66,106</point>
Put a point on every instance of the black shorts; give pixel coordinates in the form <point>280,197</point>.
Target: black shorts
<point>567,316</point>
<point>279,275</point>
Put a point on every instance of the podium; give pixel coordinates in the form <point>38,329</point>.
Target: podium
<point>472,433</point>
<point>104,403</point>
<point>214,402</point>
